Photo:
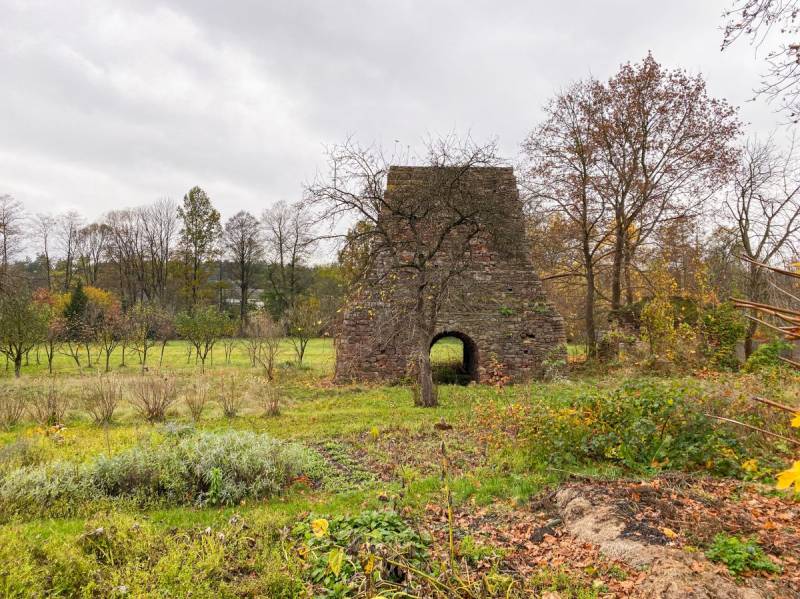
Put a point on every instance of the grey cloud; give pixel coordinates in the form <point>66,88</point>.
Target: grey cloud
<point>116,103</point>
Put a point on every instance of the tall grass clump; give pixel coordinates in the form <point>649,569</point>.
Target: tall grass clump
<point>47,404</point>
<point>151,395</point>
<point>101,398</point>
<point>195,396</point>
<point>12,405</point>
<point>267,394</point>
<point>231,395</point>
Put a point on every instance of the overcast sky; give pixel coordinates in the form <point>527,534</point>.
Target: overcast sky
<point>114,104</point>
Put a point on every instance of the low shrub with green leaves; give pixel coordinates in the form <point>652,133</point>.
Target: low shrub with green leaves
<point>767,356</point>
<point>644,425</point>
<point>184,467</point>
<point>722,326</point>
<point>371,550</point>
<point>740,556</point>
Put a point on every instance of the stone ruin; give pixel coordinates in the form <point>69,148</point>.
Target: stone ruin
<point>496,306</point>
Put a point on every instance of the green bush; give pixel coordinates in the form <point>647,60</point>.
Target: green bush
<point>740,555</point>
<point>644,425</point>
<point>342,552</point>
<point>35,489</point>
<point>204,468</point>
<point>767,356</point>
<point>187,468</point>
<point>722,326</point>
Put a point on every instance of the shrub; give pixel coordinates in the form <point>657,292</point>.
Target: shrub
<point>58,486</point>
<point>644,425</point>
<point>195,396</point>
<point>269,395</point>
<point>230,395</point>
<point>204,468</point>
<point>767,356</point>
<point>18,454</point>
<point>12,405</point>
<point>101,398</point>
<point>343,552</point>
<point>740,555</point>
<point>722,327</point>
<point>151,395</point>
<point>201,468</point>
<point>47,404</point>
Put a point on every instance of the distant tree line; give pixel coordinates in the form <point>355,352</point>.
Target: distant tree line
<point>140,276</point>
<point>647,211</point>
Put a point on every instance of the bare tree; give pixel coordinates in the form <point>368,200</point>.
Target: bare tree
<point>422,238</point>
<point>12,216</point>
<point>245,248</point>
<point>764,207</point>
<point>262,340</point>
<point>92,242</point>
<point>68,227</point>
<point>44,225</point>
<point>126,250</point>
<point>289,240</point>
<point>755,20</point>
<point>561,176</point>
<point>160,226</point>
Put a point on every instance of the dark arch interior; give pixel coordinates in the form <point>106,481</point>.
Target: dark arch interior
<point>454,360</point>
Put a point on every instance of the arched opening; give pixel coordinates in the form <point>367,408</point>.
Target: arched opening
<point>453,359</point>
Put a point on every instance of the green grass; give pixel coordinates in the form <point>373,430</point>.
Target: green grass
<point>380,451</point>
<point>318,358</point>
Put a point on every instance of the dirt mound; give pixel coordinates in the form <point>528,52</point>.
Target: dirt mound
<point>630,522</point>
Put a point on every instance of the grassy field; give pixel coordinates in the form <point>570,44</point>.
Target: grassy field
<point>138,509</point>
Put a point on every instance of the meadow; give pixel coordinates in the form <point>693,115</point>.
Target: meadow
<point>345,490</point>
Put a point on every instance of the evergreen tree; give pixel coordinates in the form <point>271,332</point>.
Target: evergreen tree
<point>75,311</point>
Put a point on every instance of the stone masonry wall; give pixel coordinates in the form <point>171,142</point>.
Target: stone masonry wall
<point>497,305</point>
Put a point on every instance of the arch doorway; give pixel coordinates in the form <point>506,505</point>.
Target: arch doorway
<point>453,359</point>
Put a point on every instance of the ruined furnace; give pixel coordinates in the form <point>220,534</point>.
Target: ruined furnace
<point>496,305</point>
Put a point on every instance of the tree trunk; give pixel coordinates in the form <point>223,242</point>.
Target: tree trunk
<point>590,327</point>
<point>17,364</point>
<point>756,292</point>
<point>108,360</point>
<point>426,396</point>
<point>748,338</point>
<point>627,260</point>
<point>616,267</point>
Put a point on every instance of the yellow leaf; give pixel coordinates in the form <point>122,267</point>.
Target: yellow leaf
<point>790,477</point>
<point>336,560</point>
<point>750,465</point>
<point>319,527</point>
<point>796,420</point>
<point>369,565</point>
<point>669,533</point>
